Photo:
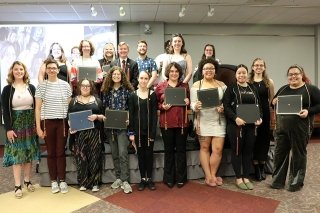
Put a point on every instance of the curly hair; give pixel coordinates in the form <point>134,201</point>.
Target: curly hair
<point>205,61</point>
<point>62,58</point>
<point>265,77</point>
<point>26,77</point>
<point>92,87</point>
<point>92,49</point>
<point>108,83</point>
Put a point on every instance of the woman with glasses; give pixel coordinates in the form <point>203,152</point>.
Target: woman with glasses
<point>21,146</point>
<point>260,80</point>
<point>52,98</point>
<point>293,131</point>
<point>87,147</point>
<point>241,134</point>
<point>210,122</point>
<point>178,53</point>
<point>56,53</point>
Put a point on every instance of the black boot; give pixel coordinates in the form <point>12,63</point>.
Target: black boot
<point>257,173</point>
<point>263,174</point>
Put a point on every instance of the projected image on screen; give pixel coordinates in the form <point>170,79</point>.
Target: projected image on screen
<point>30,43</point>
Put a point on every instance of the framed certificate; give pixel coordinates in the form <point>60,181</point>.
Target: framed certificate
<point>289,104</point>
<point>209,97</point>
<point>116,119</point>
<point>79,120</point>
<point>250,113</point>
<point>175,96</point>
<point>89,73</point>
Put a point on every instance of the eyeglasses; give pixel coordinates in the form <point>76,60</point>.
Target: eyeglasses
<point>294,74</point>
<point>258,65</point>
<point>177,35</point>
<point>52,68</point>
<point>85,86</point>
<point>209,69</point>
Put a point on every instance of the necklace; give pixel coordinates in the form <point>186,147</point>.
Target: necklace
<point>85,99</point>
<point>20,90</point>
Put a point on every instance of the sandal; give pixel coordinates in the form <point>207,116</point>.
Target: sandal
<point>29,186</point>
<point>219,181</point>
<point>210,183</point>
<point>18,192</point>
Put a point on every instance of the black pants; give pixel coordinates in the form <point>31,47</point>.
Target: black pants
<point>242,142</point>
<point>145,156</point>
<point>175,170</point>
<point>292,133</point>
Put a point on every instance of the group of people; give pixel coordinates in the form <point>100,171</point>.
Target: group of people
<point>130,85</point>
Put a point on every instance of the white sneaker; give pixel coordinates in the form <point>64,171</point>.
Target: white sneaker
<point>63,187</point>
<point>126,187</point>
<point>95,188</point>
<point>82,188</point>
<point>116,184</point>
<point>54,187</point>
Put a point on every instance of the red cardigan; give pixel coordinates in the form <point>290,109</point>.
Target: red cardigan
<point>175,117</point>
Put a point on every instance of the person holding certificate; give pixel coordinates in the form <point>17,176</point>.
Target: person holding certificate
<point>143,126</point>
<point>87,147</point>
<point>210,121</point>
<point>241,133</point>
<point>174,124</point>
<point>293,131</point>
<point>116,90</point>
<point>21,146</point>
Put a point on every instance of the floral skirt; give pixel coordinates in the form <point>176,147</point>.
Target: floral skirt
<point>26,145</point>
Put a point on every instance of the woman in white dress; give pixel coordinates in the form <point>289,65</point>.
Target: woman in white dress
<point>210,122</point>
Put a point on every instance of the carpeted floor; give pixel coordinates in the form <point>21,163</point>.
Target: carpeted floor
<point>306,200</point>
<point>193,197</point>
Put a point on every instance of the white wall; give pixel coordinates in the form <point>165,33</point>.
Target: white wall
<point>280,45</point>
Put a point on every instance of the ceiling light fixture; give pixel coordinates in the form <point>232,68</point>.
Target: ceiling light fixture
<point>121,11</point>
<point>93,11</point>
<point>182,11</point>
<point>210,11</point>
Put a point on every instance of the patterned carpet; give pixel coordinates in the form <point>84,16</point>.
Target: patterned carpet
<point>306,200</point>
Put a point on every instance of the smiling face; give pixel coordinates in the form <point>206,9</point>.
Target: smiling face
<point>18,72</point>
<point>85,88</point>
<point>123,51</point>
<point>86,48</point>
<point>294,77</point>
<point>56,51</point>
<point>52,70</point>
<point>259,67</point>
<point>143,79</point>
<point>208,71</point>
<point>116,76</point>
<point>142,49</point>
<point>108,51</point>
<point>208,51</point>
<point>174,74</point>
<point>176,43</point>
<point>242,75</point>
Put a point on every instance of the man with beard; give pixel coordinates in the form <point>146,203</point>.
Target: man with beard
<point>145,63</point>
<point>129,66</point>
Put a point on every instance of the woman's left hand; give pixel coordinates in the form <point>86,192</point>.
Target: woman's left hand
<point>220,108</point>
<point>93,117</point>
<point>303,113</point>
<point>258,122</point>
<point>11,135</point>
<point>187,101</point>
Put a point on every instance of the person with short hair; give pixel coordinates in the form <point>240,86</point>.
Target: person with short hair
<point>145,63</point>
<point>52,98</point>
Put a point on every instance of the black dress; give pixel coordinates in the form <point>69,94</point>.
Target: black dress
<point>262,144</point>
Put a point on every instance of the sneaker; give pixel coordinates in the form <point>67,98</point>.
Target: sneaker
<point>82,188</point>
<point>142,185</point>
<point>151,185</point>
<point>116,184</point>
<point>95,188</point>
<point>126,187</point>
<point>63,187</point>
<point>54,187</point>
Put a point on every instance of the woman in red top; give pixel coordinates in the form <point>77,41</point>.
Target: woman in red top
<point>173,125</point>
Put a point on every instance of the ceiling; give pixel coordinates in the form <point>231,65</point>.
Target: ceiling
<point>302,12</point>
